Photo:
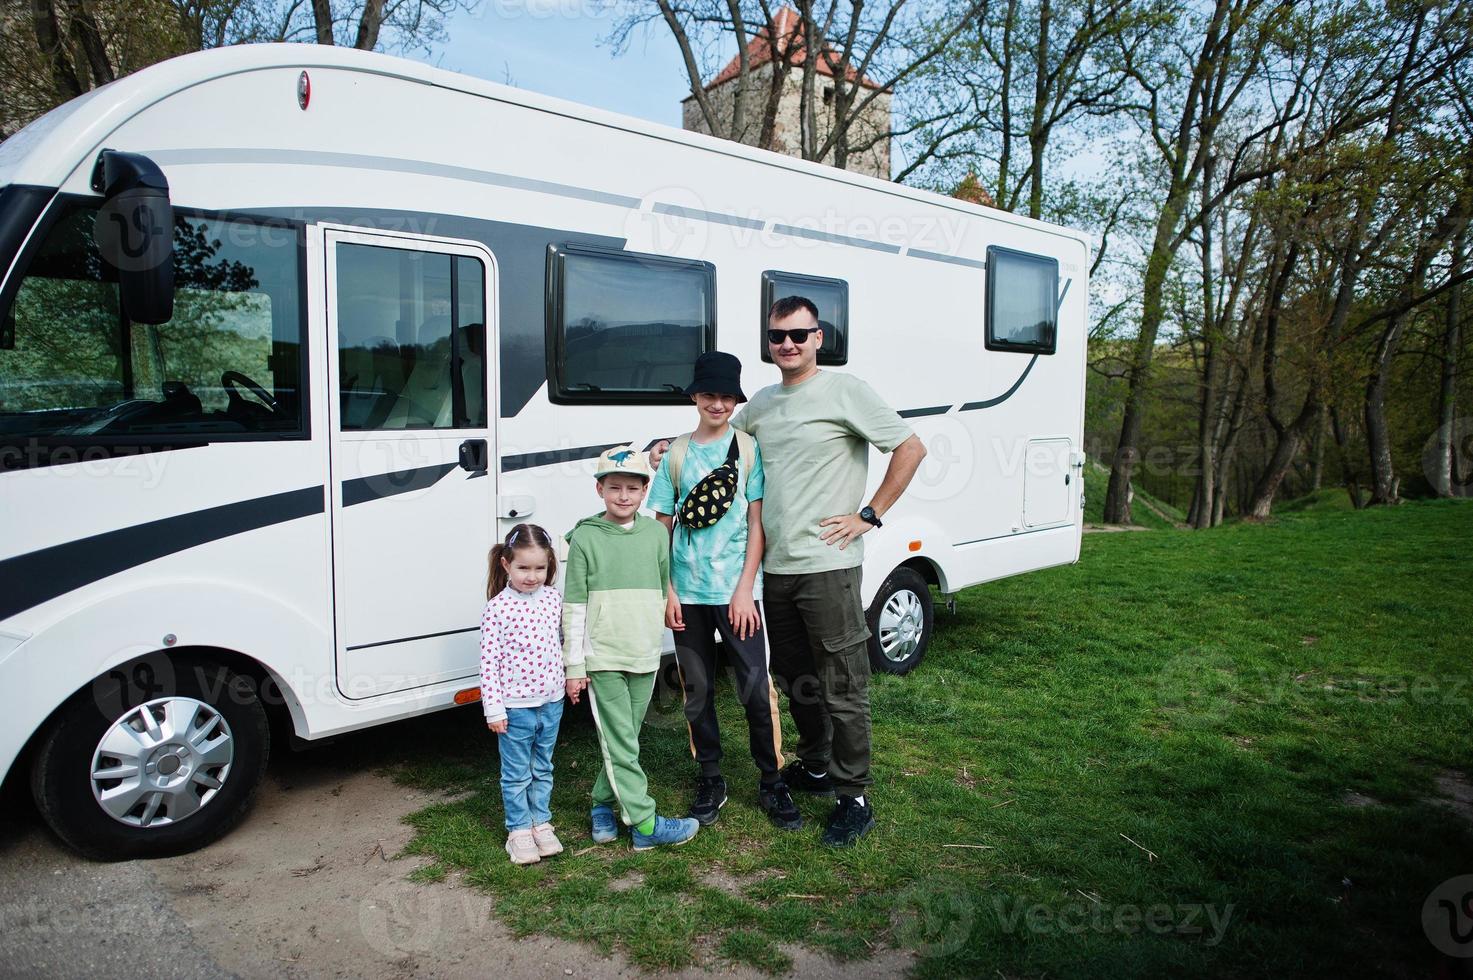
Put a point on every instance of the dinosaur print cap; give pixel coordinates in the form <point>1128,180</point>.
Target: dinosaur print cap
<point>624,459</point>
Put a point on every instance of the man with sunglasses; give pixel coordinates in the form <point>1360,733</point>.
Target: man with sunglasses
<point>815,430</point>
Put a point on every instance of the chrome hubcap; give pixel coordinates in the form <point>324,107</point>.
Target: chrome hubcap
<point>162,761</point>
<point>902,625</point>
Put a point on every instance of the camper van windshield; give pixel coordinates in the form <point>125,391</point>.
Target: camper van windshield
<point>72,365</point>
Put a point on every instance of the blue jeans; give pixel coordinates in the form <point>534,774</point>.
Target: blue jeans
<point>526,764</point>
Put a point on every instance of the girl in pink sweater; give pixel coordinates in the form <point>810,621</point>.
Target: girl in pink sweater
<point>522,684</point>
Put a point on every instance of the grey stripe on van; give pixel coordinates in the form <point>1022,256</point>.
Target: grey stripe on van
<point>361,161</point>
<point>715,217</point>
<point>921,253</point>
<point>824,236</point>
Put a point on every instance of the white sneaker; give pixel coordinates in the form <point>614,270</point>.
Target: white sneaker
<point>522,847</point>
<point>546,841</point>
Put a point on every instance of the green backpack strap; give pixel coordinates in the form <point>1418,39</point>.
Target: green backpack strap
<point>676,455</point>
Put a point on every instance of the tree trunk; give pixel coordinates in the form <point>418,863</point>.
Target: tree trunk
<point>1443,476</point>
<point>322,20</point>
<point>1202,494</point>
<point>1117,496</point>
<point>48,38</point>
<point>89,39</point>
<point>738,130</point>
<point>1378,436</point>
<point>775,86</point>
<point>1005,91</point>
<point>1282,460</point>
<point>1317,466</point>
<point>1228,445</point>
<point>1347,465</point>
<point>369,24</point>
<point>1037,137</point>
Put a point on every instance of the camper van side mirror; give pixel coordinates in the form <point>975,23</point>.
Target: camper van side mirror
<point>135,233</point>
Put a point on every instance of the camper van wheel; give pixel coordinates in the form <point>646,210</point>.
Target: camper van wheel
<point>158,757</point>
<point>900,622</point>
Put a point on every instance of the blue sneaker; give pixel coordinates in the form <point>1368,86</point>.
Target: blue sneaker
<point>605,827</point>
<point>668,830</point>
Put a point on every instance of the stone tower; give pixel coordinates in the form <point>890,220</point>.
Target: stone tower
<point>787,27</point>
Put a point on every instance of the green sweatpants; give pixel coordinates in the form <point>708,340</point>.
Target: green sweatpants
<point>619,701</point>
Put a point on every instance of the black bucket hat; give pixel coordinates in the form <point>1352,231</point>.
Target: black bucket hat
<point>717,373</point>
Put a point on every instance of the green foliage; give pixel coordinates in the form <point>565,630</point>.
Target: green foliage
<point>1131,749</point>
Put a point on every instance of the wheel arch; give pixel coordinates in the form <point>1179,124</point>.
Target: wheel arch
<point>927,569</point>
<point>252,633</point>
<point>283,709</point>
<point>909,541</point>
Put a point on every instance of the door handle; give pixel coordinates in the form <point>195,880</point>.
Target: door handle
<point>473,455</point>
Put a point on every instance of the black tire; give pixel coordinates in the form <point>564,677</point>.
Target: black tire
<point>900,582</point>
<point>61,774</point>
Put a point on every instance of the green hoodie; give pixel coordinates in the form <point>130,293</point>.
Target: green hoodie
<point>614,596</point>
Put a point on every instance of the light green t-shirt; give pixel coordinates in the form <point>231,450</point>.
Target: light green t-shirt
<point>706,563</point>
<point>815,439</point>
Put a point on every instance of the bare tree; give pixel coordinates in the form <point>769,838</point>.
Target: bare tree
<point>1022,73</point>
<point>1349,193</point>
<point>1182,123</point>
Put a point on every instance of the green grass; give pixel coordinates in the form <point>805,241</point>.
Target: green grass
<point>1328,499</point>
<point>1212,696</point>
<point>1097,481</point>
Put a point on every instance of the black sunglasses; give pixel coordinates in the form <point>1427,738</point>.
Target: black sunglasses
<point>798,336</point>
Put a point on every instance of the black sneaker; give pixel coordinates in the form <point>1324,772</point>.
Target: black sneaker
<point>777,803</point>
<point>849,821</point>
<point>800,780</point>
<point>710,798</point>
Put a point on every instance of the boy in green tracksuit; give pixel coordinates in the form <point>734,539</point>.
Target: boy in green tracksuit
<point>617,575</point>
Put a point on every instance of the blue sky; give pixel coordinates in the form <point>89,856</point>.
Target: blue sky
<point>553,47</point>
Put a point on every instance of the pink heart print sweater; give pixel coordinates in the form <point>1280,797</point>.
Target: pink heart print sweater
<point>521,651</point>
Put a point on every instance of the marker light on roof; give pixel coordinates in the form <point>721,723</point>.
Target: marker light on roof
<point>304,90</point>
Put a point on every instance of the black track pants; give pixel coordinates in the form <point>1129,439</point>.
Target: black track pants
<point>695,653</point>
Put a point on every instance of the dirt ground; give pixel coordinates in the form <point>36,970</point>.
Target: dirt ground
<point>308,886</point>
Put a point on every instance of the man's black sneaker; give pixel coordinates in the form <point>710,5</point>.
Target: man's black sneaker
<point>777,803</point>
<point>710,798</point>
<point>800,780</point>
<point>849,821</point>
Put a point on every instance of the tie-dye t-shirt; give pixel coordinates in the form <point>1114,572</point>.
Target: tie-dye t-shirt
<point>706,563</point>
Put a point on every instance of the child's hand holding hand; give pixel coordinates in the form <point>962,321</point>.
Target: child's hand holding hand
<point>674,619</point>
<point>576,686</point>
<point>499,727</point>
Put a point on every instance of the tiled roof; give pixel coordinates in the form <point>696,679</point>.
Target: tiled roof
<point>787,27</point>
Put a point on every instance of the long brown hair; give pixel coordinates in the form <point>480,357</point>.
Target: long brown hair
<point>520,537</point>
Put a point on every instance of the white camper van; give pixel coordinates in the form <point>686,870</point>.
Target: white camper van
<point>290,335</point>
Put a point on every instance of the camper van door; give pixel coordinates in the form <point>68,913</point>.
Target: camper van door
<point>410,384</point>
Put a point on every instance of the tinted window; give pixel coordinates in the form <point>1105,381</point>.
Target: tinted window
<point>1022,301</point>
<point>626,327</point>
<point>831,296</point>
<point>73,366</point>
<point>411,339</point>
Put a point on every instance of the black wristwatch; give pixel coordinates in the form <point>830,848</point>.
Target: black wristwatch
<point>869,515</point>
